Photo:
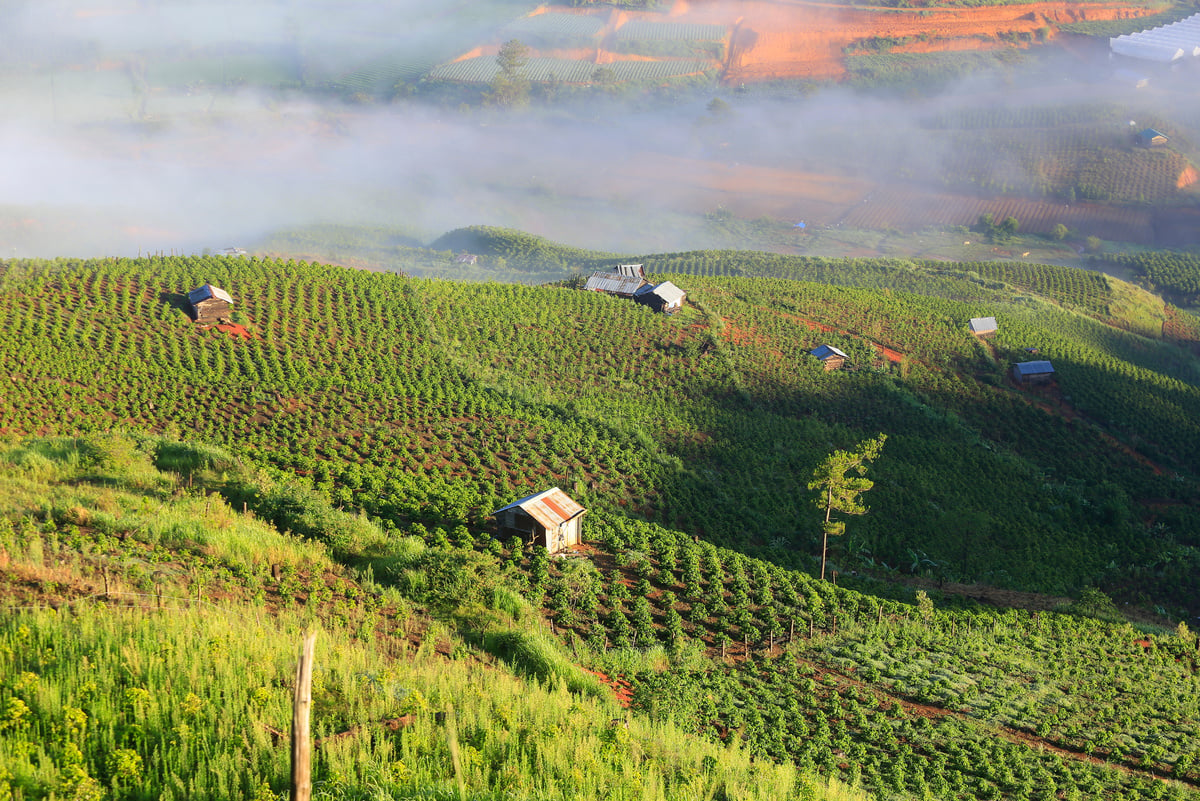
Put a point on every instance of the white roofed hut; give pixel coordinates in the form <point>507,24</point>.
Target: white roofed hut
<point>665,297</point>
<point>983,326</point>
<point>549,517</point>
<point>210,304</point>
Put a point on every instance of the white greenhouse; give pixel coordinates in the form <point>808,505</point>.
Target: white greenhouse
<point>1165,44</point>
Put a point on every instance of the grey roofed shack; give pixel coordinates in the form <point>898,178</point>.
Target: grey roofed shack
<point>982,326</point>
<point>830,356</point>
<point>210,303</point>
<point>614,284</point>
<point>1033,372</point>
<point>665,297</point>
<point>550,516</point>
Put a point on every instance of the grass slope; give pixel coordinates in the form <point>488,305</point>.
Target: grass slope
<point>149,643</point>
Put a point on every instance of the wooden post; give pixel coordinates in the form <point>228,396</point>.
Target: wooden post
<point>106,582</point>
<point>301,706</point>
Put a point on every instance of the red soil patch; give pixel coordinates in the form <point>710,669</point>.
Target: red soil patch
<point>773,40</point>
<point>806,40</point>
<point>621,688</point>
<point>1188,177</point>
<point>233,329</point>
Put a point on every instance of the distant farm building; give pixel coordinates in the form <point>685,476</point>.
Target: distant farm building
<point>549,518</point>
<point>630,270</point>
<point>1040,372</point>
<point>1151,138</point>
<point>233,252</point>
<point>1166,44</point>
<point>210,304</point>
<point>466,258</point>
<point>983,326</point>
<point>830,357</point>
<point>665,297</point>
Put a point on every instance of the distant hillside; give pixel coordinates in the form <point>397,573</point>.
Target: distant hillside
<point>428,404</point>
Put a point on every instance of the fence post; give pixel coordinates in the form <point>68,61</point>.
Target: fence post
<point>301,707</point>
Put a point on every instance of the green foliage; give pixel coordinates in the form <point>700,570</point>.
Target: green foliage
<point>427,404</point>
<point>838,491</point>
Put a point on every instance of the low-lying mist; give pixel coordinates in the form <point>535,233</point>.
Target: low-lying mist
<point>100,160</point>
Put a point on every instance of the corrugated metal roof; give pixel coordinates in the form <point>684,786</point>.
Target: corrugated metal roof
<point>1033,368</point>
<point>206,291</point>
<point>825,351</point>
<point>632,270</point>
<point>980,325</point>
<point>551,507</point>
<point>614,283</point>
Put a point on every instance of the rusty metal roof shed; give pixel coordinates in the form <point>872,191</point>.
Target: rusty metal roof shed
<point>551,508</point>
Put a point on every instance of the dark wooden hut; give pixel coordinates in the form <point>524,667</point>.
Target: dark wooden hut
<point>1039,372</point>
<point>210,304</point>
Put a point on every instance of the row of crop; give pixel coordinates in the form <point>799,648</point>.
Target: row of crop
<point>1176,275</point>
<point>337,356</point>
<point>975,665</point>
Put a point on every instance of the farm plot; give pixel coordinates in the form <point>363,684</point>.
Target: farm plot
<point>555,30</point>
<point>895,207</point>
<point>482,69</point>
<point>385,73</point>
<point>645,30</point>
<point>665,39</point>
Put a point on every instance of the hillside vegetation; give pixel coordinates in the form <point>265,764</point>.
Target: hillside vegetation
<point>429,404</point>
<point>148,651</point>
<point>377,420</point>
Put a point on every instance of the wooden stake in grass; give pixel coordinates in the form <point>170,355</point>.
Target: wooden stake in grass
<point>301,707</point>
<point>452,742</point>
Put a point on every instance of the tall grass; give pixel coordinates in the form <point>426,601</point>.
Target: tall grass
<point>133,704</point>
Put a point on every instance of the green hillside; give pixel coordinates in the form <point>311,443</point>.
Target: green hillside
<point>431,403</point>
<point>377,420</point>
<point>149,642</point>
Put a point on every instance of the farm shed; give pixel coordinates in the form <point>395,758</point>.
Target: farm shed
<point>1151,138</point>
<point>612,282</point>
<point>831,357</point>
<point>983,326</point>
<point>1039,372</point>
<point>549,517</point>
<point>665,297</point>
<point>466,258</point>
<point>210,304</point>
<point>630,270</point>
